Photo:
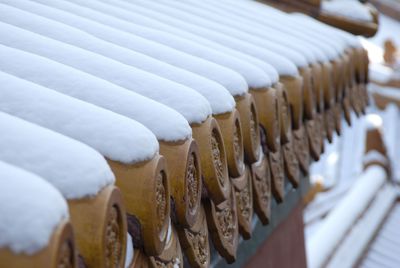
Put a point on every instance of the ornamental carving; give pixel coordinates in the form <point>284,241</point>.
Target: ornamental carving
<point>216,154</point>
<point>275,120</point>
<point>291,162</point>
<point>199,244</point>
<point>276,168</point>
<point>237,148</point>
<point>161,201</point>
<point>192,183</point>
<point>226,223</point>
<point>285,108</point>
<point>244,202</point>
<point>65,255</point>
<point>314,134</point>
<point>301,147</point>
<point>253,130</point>
<point>167,264</point>
<point>330,120</point>
<point>263,189</point>
<point>113,243</point>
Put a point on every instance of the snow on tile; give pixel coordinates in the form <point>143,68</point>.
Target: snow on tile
<point>273,19</point>
<point>207,30</point>
<point>293,48</point>
<point>391,132</point>
<point>219,98</point>
<point>339,38</point>
<point>193,106</point>
<point>380,73</point>
<point>116,137</point>
<point>389,28</point>
<point>27,222</point>
<point>390,92</point>
<point>347,8</point>
<point>375,156</point>
<point>74,168</point>
<point>130,251</point>
<point>124,20</point>
<point>164,122</point>
<point>322,243</point>
<point>230,79</point>
<point>373,121</point>
<point>331,39</point>
<point>140,19</point>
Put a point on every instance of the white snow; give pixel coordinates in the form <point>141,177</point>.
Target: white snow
<point>389,28</point>
<point>30,210</point>
<point>130,252</point>
<point>230,79</point>
<point>116,137</point>
<point>268,26</point>
<point>193,106</point>
<point>320,34</point>
<point>380,73</point>
<point>75,169</point>
<point>391,132</point>
<point>342,217</point>
<point>375,156</point>
<point>364,230</point>
<point>293,48</point>
<point>207,30</point>
<point>338,38</point>
<point>220,99</point>
<point>347,8</point>
<point>390,92</point>
<point>122,19</point>
<point>257,75</point>
<point>280,23</point>
<point>373,121</point>
<point>307,30</point>
<point>165,123</point>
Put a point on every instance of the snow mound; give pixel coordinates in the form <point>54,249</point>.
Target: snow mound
<point>130,251</point>
<point>230,79</point>
<point>375,156</point>
<point>220,99</point>
<point>132,22</point>
<point>225,22</point>
<point>281,24</point>
<point>75,169</point>
<point>27,222</point>
<point>193,106</point>
<point>114,136</point>
<point>165,123</point>
<point>349,9</point>
<point>373,121</point>
<point>200,27</point>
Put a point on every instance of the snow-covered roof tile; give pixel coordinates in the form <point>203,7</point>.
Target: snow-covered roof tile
<point>219,98</point>
<point>349,9</point>
<point>128,21</point>
<point>282,22</point>
<point>27,222</point>
<point>268,26</point>
<point>384,251</point>
<point>338,38</point>
<point>230,79</point>
<point>278,42</point>
<point>114,136</point>
<point>164,122</point>
<point>74,168</point>
<point>193,106</point>
<point>373,121</point>
<point>206,29</point>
